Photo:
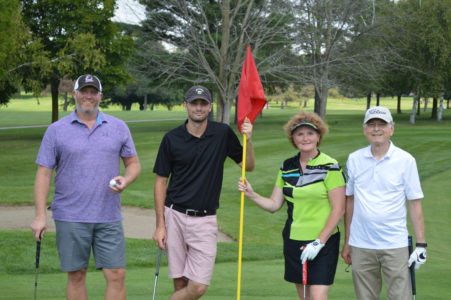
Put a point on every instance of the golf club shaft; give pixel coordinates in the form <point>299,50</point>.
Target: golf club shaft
<point>155,287</point>
<point>38,255</point>
<point>157,273</point>
<point>412,269</point>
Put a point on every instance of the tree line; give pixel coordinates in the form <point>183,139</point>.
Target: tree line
<point>361,47</point>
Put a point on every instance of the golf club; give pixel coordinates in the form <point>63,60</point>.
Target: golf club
<point>412,270</point>
<point>304,277</point>
<point>157,272</point>
<point>38,255</point>
<point>304,274</point>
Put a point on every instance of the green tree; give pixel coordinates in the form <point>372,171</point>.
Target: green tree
<point>16,50</point>
<point>207,42</point>
<point>332,42</point>
<point>148,85</point>
<point>423,39</point>
<point>79,37</point>
<point>10,27</point>
<point>133,93</point>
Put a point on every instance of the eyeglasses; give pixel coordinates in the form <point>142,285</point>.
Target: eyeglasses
<point>90,93</point>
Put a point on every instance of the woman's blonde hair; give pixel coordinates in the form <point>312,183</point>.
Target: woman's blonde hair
<point>306,117</point>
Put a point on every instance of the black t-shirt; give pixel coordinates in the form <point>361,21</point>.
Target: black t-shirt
<point>195,165</point>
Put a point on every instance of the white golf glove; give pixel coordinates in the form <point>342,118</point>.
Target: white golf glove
<point>418,257</point>
<point>311,250</point>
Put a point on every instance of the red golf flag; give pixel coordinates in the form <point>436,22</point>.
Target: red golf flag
<point>251,97</point>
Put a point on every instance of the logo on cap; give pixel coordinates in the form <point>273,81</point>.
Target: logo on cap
<point>89,78</point>
<point>377,111</point>
<point>198,92</point>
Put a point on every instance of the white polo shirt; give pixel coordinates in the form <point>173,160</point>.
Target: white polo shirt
<point>380,189</point>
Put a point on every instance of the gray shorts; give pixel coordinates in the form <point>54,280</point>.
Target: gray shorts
<point>75,240</point>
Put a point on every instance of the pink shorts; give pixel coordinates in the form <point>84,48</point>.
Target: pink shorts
<point>191,245</point>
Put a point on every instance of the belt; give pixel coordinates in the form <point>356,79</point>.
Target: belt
<point>192,212</point>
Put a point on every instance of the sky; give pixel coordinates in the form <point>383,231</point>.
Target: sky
<point>129,11</point>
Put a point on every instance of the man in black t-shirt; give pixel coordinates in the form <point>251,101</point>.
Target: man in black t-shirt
<point>192,156</point>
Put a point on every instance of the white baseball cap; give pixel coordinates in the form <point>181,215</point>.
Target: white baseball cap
<point>378,112</point>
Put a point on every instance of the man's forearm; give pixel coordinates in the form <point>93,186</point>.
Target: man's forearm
<point>132,169</point>
<point>41,191</point>
<point>159,211</point>
<point>160,189</point>
<point>417,219</point>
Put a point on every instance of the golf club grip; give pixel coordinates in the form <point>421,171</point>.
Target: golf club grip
<point>38,253</point>
<point>304,273</point>
<point>158,262</point>
<point>412,268</point>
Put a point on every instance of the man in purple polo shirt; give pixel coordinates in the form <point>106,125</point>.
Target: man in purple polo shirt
<point>84,148</point>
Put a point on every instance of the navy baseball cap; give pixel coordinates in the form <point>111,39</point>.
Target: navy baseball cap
<point>88,80</point>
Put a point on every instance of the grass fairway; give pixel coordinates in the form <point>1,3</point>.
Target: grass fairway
<point>262,278</point>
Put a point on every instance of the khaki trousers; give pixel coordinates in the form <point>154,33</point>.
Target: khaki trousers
<point>367,265</point>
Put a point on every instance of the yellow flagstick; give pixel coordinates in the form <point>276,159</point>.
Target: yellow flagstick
<point>240,240</point>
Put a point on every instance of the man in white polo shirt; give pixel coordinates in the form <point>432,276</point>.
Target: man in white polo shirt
<point>381,177</point>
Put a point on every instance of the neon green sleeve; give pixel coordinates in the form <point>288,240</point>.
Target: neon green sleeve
<point>279,181</point>
<point>334,179</point>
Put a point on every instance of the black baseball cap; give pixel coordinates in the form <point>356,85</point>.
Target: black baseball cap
<point>198,92</point>
<point>87,80</point>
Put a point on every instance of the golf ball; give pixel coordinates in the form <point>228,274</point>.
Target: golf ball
<point>113,182</point>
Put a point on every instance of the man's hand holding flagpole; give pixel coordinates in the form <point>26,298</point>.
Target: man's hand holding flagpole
<point>251,100</point>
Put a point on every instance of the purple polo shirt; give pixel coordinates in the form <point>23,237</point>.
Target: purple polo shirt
<point>85,161</point>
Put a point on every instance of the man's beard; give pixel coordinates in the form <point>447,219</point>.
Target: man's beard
<point>198,119</point>
<point>92,111</point>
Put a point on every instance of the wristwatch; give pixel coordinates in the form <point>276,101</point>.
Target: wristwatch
<point>424,245</point>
